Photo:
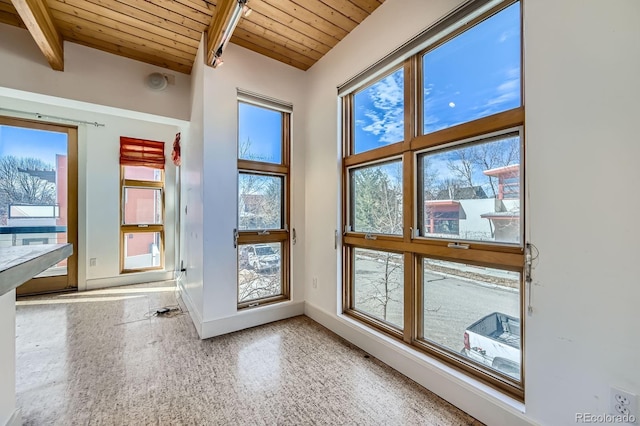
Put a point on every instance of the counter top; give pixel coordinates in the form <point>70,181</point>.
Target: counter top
<point>19,264</point>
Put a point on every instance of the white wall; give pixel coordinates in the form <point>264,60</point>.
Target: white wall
<point>192,219</point>
<point>581,101</point>
<point>99,183</point>
<point>473,223</point>
<point>97,87</point>
<point>7,356</point>
<point>582,92</point>
<point>89,75</point>
<point>249,71</point>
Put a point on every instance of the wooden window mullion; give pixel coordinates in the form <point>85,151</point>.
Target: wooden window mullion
<point>248,237</point>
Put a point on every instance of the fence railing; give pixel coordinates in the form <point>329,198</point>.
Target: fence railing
<point>14,231</point>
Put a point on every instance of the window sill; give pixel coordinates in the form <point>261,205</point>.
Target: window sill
<point>423,360</point>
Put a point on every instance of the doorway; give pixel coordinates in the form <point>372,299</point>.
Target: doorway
<point>39,195</point>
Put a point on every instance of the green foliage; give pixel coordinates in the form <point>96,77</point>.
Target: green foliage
<point>378,199</point>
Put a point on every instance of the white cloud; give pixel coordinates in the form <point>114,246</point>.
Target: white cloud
<point>512,73</point>
<point>506,35</point>
<point>506,92</point>
<point>387,117</point>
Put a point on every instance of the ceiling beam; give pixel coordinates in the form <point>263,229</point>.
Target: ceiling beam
<point>39,22</point>
<point>220,21</point>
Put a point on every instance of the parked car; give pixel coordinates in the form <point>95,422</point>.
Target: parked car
<point>260,257</point>
<point>494,340</point>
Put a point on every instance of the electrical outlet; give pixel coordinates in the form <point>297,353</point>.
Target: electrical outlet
<point>315,282</point>
<point>93,261</point>
<point>625,404</point>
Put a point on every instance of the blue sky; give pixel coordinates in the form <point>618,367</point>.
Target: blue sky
<point>263,127</point>
<point>437,163</point>
<point>21,142</point>
<point>473,75</point>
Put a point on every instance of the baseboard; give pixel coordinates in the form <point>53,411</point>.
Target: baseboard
<point>194,313</point>
<point>128,279</point>
<point>15,419</point>
<point>473,397</point>
<point>251,318</point>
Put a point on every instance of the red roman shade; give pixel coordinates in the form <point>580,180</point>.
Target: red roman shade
<point>141,152</point>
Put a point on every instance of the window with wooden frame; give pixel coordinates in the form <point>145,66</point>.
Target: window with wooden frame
<point>433,245</point>
<point>142,205</point>
<point>262,236</point>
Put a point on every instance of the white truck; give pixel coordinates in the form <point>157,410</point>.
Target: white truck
<point>260,257</point>
<point>494,340</point>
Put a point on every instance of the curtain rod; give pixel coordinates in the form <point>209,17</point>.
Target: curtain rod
<point>45,116</point>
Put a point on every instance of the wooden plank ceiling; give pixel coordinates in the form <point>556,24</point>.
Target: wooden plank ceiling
<point>166,33</point>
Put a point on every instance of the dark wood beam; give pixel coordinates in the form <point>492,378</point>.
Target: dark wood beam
<point>39,22</point>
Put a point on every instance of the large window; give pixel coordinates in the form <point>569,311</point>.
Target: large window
<point>434,236</point>
<point>142,205</point>
<point>263,201</point>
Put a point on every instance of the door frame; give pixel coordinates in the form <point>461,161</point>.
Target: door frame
<point>67,282</point>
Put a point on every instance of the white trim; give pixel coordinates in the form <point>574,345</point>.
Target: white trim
<point>264,101</point>
<point>15,419</point>
<point>194,313</point>
<point>89,107</point>
<point>127,279</point>
<point>252,317</point>
<point>475,398</point>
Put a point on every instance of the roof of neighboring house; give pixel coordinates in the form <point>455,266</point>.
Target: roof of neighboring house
<point>32,211</point>
<point>48,175</point>
<point>461,193</point>
<point>505,171</point>
<point>501,215</point>
<point>444,203</point>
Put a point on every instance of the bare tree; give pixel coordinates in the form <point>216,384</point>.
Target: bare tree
<point>20,183</point>
<point>429,179</point>
<point>467,164</point>
<point>462,165</point>
<point>259,201</point>
<point>450,187</point>
<point>259,197</point>
<point>253,285</point>
<point>378,210</point>
<point>244,148</point>
<point>385,289</point>
<point>245,152</point>
<point>501,153</point>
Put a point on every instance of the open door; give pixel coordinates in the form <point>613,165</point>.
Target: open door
<point>39,195</point>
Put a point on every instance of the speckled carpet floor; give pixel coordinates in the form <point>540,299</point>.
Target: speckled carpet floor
<point>104,358</point>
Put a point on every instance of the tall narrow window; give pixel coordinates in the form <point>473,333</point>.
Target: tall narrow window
<point>142,205</point>
<point>263,200</point>
<point>434,235</point>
